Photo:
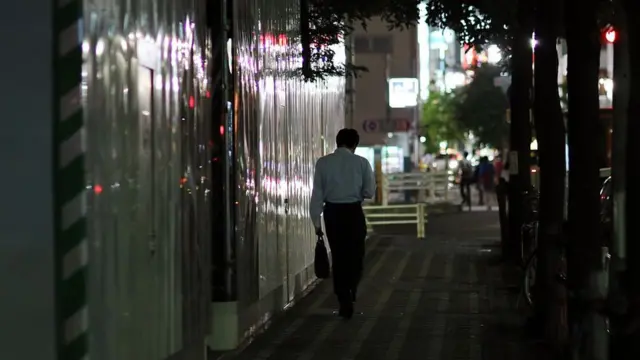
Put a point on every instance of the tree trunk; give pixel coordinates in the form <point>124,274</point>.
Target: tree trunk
<point>550,133</point>
<point>584,248</point>
<point>520,98</point>
<point>617,249</point>
<point>632,283</point>
<point>305,39</point>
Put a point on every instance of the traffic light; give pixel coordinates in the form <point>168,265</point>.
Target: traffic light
<point>610,35</point>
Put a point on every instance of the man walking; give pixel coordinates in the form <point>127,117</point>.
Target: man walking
<point>341,182</point>
<point>466,178</point>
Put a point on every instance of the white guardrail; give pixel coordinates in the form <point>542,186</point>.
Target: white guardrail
<point>397,215</point>
<point>429,186</point>
<point>425,186</point>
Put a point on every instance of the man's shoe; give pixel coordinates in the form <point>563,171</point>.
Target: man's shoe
<point>346,311</point>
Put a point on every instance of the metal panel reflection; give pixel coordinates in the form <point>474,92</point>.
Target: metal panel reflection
<point>282,126</point>
<point>145,91</point>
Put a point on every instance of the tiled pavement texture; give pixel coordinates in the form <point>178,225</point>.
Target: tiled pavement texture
<point>444,297</point>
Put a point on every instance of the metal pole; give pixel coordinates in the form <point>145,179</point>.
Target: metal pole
<point>387,75</point>
<point>378,149</point>
<point>377,160</point>
<point>229,171</point>
<point>416,117</point>
<point>443,58</point>
<point>350,83</point>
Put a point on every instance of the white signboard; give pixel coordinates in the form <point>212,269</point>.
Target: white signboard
<point>403,92</point>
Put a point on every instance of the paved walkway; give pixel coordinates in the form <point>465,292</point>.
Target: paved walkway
<point>440,298</point>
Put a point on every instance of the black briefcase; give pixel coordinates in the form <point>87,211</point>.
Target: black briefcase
<point>321,264</point>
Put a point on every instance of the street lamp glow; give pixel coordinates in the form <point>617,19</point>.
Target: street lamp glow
<point>455,79</point>
<point>493,54</point>
<point>533,40</point>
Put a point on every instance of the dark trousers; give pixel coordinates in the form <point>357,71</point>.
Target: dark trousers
<point>465,192</point>
<point>502,191</point>
<point>346,231</point>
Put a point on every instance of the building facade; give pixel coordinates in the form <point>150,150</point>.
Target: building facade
<point>164,173</point>
<point>431,58</point>
<point>386,54</point>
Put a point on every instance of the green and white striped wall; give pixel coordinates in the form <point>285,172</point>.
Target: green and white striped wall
<point>71,247</point>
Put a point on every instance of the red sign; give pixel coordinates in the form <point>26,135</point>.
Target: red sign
<point>382,125</point>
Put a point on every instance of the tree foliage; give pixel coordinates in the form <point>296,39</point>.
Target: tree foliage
<point>439,121</point>
<point>475,22</point>
<point>483,106</point>
<point>478,108</point>
<point>325,23</point>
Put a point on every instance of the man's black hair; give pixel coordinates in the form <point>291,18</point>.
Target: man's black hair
<point>348,138</point>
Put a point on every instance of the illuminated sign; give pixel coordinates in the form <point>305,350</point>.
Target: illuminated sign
<point>403,92</point>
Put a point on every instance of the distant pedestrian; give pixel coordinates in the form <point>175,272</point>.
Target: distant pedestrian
<point>498,165</point>
<point>487,181</point>
<point>341,182</point>
<point>476,180</point>
<point>502,189</point>
<point>466,179</point>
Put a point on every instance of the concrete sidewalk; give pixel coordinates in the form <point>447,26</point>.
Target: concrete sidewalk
<point>440,298</point>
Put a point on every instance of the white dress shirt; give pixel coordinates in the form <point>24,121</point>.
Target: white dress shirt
<point>340,177</point>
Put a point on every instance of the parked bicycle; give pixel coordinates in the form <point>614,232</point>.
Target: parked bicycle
<point>529,233</point>
<point>577,336</point>
<point>529,238</point>
<point>529,229</point>
<point>606,211</point>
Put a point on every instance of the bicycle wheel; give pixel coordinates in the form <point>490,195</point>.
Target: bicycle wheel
<point>529,277</point>
<point>525,241</point>
<point>529,238</point>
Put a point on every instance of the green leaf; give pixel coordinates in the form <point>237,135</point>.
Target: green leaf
<point>482,109</point>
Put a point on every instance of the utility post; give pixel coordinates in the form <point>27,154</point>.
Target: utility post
<point>350,82</point>
<point>378,149</point>
<point>387,75</point>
